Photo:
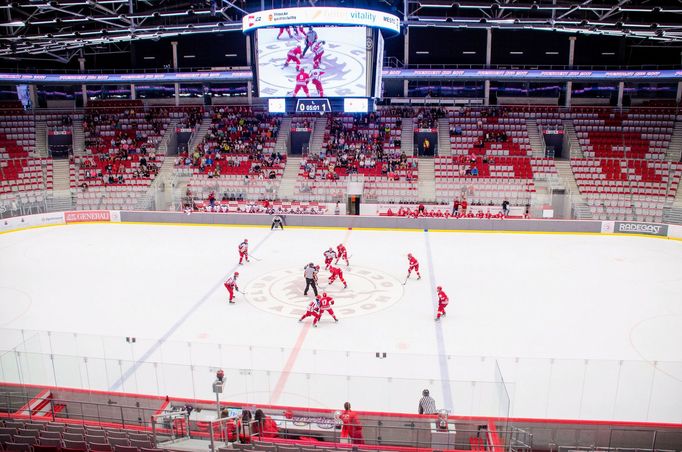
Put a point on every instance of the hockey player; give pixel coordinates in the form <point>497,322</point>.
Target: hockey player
<point>336,272</point>
<point>329,256</point>
<point>315,75</point>
<point>295,56</point>
<point>318,53</point>
<point>326,303</point>
<point>342,254</point>
<point>282,30</point>
<point>414,265</point>
<point>302,79</point>
<point>313,310</point>
<point>442,302</point>
<point>244,251</point>
<point>231,285</point>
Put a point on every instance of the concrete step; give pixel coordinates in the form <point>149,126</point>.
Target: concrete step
<point>674,152</point>
<point>426,186</point>
<point>61,175</point>
<point>282,143</point>
<point>407,137</point>
<point>286,186</point>
<point>537,143</point>
<point>444,146</point>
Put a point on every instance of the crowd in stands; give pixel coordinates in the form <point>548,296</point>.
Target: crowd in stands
<point>239,141</point>
<point>225,205</point>
<point>128,135</point>
<point>191,119</point>
<point>460,209</point>
<point>427,118</point>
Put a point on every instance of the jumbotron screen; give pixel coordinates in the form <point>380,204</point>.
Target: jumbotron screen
<point>305,61</point>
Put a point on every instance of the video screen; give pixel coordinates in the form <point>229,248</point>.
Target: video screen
<point>312,61</point>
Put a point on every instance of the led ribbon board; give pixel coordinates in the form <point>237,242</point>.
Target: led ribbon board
<point>321,16</point>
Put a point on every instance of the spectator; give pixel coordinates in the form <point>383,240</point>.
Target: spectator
<point>505,208</point>
<point>426,404</point>
<point>351,428</point>
<point>264,426</point>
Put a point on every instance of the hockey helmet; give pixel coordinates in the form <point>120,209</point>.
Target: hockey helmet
<point>439,288</point>
<point>236,274</point>
<point>324,294</point>
<point>246,240</point>
<point>409,254</point>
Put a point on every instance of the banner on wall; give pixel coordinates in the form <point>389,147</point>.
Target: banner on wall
<point>629,227</point>
<point>29,221</point>
<point>81,216</point>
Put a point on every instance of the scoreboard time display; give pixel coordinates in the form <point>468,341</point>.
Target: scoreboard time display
<point>313,106</point>
<point>321,105</point>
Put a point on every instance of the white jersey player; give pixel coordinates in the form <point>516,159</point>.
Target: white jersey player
<point>318,53</point>
<point>315,76</point>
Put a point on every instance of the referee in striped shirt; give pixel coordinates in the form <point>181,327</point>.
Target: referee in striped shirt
<point>427,405</point>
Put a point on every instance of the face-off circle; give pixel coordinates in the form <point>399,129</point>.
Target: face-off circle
<point>281,292</point>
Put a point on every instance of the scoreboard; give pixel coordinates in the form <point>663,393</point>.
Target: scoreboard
<point>321,105</point>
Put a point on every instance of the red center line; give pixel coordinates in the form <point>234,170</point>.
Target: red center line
<point>291,360</point>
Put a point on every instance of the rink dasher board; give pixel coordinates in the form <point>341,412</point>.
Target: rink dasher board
<point>377,223</point>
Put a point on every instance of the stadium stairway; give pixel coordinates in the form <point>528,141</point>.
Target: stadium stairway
<point>78,137</point>
<point>167,136</point>
<point>316,138</point>
<point>282,143</point>
<point>574,146</point>
<point>582,210</point>
<point>201,131</point>
<point>41,138</point>
<point>536,141</point>
<point>286,187</point>
<point>444,147</point>
<point>426,186</point>
<point>674,153</point>
<point>407,137</point>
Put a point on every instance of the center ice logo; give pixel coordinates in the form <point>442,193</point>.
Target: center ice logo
<point>281,292</point>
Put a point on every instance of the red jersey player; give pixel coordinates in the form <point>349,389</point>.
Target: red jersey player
<point>295,56</point>
<point>244,251</point>
<point>329,256</point>
<point>282,30</point>
<point>336,272</point>
<point>315,75</point>
<point>231,285</point>
<point>342,253</point>
<point>326,303</point>
<point>302,79</point>
<point>318,53</point>
<point>414,265</point>
<point>442,302</point>
<point>312,311</point>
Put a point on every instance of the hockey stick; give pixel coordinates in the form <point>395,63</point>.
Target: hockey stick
<point>405,282</point>
<point>243,293</point>
<point>255,258</point>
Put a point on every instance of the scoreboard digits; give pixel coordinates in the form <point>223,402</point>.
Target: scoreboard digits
<point>321,105</point>
<point>313,106</point>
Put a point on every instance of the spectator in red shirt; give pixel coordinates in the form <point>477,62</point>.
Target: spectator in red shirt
<point>351,425</point>
<point>264,426</point>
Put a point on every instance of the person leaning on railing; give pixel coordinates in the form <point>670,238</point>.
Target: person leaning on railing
<point>351,428</point>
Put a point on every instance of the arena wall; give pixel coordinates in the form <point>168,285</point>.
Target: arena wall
<point>343,221</point>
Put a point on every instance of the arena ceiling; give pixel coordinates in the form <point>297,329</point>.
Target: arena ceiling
<point>60,30</point>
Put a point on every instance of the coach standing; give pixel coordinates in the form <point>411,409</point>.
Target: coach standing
<point>310,275</point>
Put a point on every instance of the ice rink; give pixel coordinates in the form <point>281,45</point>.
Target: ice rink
<point>539,325</point>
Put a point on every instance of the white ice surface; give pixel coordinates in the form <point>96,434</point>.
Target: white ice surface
<point>583,327</point>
